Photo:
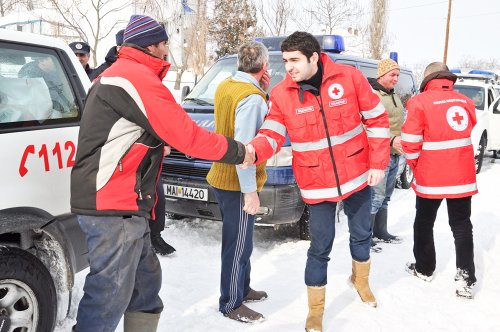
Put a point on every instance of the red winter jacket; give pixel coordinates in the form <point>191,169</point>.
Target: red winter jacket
<point>128,116</point>
<point>436,141</point>
<point>358,129</point>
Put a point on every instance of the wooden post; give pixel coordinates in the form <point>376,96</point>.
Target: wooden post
<point>447,33</point>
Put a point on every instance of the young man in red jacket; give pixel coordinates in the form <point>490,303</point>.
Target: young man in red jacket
<point>129,116</point>
<point>437,128</point>
<point>339,133</point>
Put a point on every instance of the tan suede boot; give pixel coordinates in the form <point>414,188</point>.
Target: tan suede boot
<point>316,300</point>
<point>359,280</point>
<point>140,322</point>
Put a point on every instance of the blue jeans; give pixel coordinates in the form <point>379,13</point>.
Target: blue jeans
<point>322,230</point>
<point>125,274</point>
<point>382,192</point>
<point>237,247</point>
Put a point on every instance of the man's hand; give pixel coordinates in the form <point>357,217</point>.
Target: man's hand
<point>265,81</point>
<point>166,150</point>
<point>252,202</point>
<point>374,176</point>
<point>249,156</point>
<point>396,144</point>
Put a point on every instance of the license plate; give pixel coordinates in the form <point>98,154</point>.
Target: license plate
<point>186,192</point>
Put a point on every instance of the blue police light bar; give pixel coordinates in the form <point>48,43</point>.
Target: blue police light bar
<point>482,72</point>
<point>456,71</point>
<point>329,43</point>
<point>393,56</point>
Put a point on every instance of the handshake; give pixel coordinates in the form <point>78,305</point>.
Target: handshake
<point>249,157</point>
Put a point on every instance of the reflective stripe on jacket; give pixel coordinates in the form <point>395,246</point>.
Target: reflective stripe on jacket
<point>436,141</point>
<point>358,131</point>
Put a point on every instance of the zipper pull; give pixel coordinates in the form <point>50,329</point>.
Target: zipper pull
<point>140,195</point>
<point>120,166</point>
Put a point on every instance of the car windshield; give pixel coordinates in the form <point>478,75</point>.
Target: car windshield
<point>476,93</point>
<point>204,91</point>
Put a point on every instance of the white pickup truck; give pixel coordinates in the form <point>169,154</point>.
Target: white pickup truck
<point>485,93</point>
<point>42,93</point>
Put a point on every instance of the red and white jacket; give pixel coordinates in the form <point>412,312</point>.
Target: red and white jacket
<point>437,143</point>
<point>129,115</point>
<point>357,128</point>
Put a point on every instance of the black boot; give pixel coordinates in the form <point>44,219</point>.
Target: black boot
<point>380,228</point>
<point>373,245</point>
<point>160,246</point>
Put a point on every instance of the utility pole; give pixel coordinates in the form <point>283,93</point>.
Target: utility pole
<point>447,33</point>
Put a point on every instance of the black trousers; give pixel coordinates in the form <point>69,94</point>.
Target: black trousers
<point>459,210</point>
<point>158,225</point>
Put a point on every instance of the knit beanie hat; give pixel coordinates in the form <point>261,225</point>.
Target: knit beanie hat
<point>144,31</point>
<point>385,66</point>
<point>119,37</point>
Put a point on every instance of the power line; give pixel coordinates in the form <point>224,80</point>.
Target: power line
<point>421,5</point>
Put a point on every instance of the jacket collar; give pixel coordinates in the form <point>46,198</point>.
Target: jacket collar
<point>439,84</point>
<point>157,65</point>
<point>379,87</point>
<point>329,70</point>
<point>440,80</point>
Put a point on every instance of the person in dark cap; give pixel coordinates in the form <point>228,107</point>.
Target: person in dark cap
<point>110,57</point>
<point>82,51</point>
<point>128,118</point>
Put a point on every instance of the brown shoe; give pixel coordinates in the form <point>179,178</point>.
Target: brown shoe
<point>245,314</point>
<point>255,296</point>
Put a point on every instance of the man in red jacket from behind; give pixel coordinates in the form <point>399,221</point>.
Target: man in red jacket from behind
<point>437,130</point>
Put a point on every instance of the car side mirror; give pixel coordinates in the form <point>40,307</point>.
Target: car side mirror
<point>185,91</point>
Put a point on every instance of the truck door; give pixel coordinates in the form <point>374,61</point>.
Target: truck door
<point>39,115</point>
<point>494,129</point>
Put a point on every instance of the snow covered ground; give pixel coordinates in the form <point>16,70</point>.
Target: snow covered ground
<point>191,277</point>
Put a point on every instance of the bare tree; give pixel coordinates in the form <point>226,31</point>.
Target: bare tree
<point>329,14</point>
<point>484,64</point>
<point>7,6</point>
<point>377,29</point>
<point>275,15</point>
<point>234,22</point>
<point>91,20</point>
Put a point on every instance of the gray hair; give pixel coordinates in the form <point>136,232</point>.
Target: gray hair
<point>252,56</point>
<point>435,67</point>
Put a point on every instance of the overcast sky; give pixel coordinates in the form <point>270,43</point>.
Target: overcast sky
<point>416,29</point>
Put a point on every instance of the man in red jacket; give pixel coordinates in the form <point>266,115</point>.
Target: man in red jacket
<point>437,129</point>
<point>129,116</point>
<point>339,133</point>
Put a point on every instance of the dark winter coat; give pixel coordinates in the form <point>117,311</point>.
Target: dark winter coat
<point>108,61</point>
<point>129,115</point>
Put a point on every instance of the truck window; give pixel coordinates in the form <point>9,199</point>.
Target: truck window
<point>224,68</point>
<point>34,91</point>
<point>368,71</point>
<point>405,88</point>
<point>475,93</point>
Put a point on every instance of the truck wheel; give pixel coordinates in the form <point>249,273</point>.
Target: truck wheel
<point>406,177</point>
<point>28,300</point>
<point>480,154</point>
<point>303,224</point>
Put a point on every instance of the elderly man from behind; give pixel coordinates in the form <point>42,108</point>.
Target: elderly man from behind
<point>240,108</point>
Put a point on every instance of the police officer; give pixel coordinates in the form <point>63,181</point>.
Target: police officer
<point>82,52</point>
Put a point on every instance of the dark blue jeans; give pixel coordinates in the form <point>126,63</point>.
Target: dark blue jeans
<point>382,192</point>
<point>237,246</point>
<point>322,228</point>
<point>125,274</point>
